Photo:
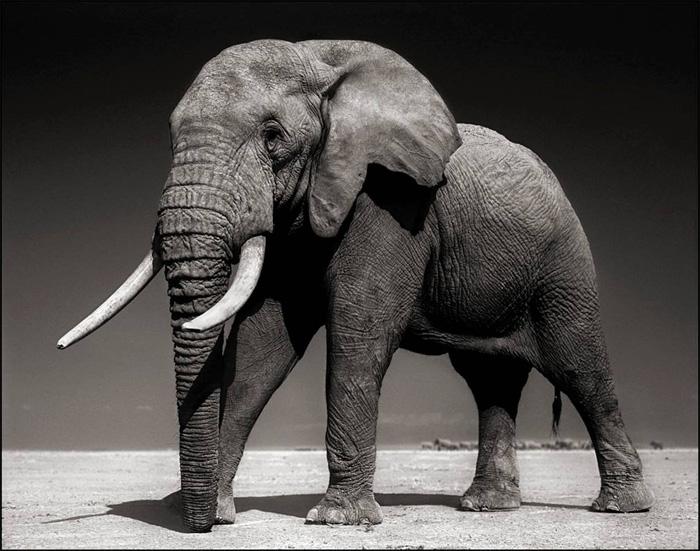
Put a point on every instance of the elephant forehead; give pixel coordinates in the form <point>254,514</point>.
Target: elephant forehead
<point>213,96</point>
<point>260,65</point>
<point>245,84</point>
<point>237,111</point>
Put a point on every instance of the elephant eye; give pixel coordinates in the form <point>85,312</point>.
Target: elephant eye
<point>272,136</point>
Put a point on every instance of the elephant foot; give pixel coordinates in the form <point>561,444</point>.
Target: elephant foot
<point>341,509</point>
<point>494,496</point>
<point>225,510</point>
<point>623,497</point>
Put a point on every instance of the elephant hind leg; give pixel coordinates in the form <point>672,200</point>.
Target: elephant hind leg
<point>496,383</point>
<point>573,356</point>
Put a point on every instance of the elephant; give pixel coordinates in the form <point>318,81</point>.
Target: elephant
<point>335,176</point>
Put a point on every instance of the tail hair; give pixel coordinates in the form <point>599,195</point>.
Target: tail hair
<point>556,412</point>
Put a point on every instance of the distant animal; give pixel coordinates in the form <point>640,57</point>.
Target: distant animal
<point>445,444</point>
<point>334,174</point>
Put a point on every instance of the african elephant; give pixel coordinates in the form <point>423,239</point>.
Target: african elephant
<point>336,177</point>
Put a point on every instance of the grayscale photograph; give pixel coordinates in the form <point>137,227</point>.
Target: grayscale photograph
<point>325,275</point>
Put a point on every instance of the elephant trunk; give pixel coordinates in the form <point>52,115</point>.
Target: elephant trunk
<point>198,394</point>
<point>195,246</point>
<point>201,233</point>
<point>197,279</point>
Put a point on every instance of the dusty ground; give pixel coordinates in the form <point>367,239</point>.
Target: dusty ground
<point>114,499</point>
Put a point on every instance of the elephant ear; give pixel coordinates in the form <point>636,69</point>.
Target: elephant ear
<point>377,109</point>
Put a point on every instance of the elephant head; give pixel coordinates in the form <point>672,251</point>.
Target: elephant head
<point>266,128</point>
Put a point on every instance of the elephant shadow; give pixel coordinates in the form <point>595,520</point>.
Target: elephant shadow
<point>165,512</point>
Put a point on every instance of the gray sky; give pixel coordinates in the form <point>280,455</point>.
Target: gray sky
<point>87,91</point>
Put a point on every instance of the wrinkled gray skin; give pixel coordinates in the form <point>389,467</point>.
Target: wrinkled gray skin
<point>481,257</point>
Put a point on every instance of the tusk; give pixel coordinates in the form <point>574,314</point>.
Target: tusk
<point>249,268</point>
<point>135,283</point>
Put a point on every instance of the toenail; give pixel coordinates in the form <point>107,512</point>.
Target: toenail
<point>334,517</point>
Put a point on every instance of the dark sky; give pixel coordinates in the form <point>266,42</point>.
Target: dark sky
<point>606,94</point>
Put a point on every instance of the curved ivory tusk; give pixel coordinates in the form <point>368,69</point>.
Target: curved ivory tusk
<point>249,268</point>
<point>134,284</point>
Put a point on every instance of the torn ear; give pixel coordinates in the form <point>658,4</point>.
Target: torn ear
<point>377,109</point>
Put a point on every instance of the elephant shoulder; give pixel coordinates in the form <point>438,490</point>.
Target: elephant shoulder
<point>483,145</point>
<point>473,134</point>
<point>491,158</point>
<point>482,150</point>
<point>515,184</point>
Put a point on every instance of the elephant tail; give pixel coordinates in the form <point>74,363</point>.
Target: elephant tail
<point>556,412</point>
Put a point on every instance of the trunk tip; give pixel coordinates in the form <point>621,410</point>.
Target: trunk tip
<point>62,344</point>
<point>200,528</point>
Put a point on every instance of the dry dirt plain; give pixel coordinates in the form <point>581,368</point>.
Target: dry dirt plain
<point>115,500</point>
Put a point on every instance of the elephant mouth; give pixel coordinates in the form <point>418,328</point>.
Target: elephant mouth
<point>250,264</point>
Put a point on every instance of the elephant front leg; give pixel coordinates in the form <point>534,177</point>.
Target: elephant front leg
<point>372,283</point>
<point>355,371</point>
<point>364,330</point>
<point>261,351</point>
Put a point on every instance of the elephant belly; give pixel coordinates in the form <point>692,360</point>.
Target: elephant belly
<point>423,336</point>
<point>490,307</point>
<point>478,310</point>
